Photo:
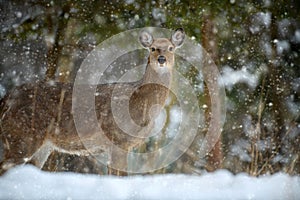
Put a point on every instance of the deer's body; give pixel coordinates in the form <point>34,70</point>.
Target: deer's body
<point>37,119</point>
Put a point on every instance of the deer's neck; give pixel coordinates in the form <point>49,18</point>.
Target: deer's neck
<point>152,89</point>
<point>157,75</point>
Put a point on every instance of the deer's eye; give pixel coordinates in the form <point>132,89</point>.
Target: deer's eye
<point>152,49</point>
<point>171,48</point>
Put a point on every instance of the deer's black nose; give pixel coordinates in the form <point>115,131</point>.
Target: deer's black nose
<point>161,59</point>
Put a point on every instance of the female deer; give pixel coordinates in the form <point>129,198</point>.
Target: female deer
<point>37,119</point>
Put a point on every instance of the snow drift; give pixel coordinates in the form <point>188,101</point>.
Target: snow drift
<point>28,182</point>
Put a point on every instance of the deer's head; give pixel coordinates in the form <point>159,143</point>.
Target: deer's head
<point>162,49</point>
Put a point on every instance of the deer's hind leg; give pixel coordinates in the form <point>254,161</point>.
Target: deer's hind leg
<point>42,154</point>
<point>23,150</point>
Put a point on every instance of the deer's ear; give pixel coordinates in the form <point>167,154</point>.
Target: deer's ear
<point>178,37</point>
<point>146,39</point>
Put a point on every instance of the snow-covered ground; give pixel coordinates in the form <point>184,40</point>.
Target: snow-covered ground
<point>27,182</point>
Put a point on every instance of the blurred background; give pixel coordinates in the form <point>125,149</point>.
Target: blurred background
<point>255,44</point>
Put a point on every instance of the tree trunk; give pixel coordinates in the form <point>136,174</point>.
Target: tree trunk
<point>57,26</point>
<point>209,43</point>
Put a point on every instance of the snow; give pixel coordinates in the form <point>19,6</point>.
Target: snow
<point>231,77</point>
<point>260,21</point>
<point>28,182</point>
<point>297,36</point>
<point>282,46</point>
<point>159,14</point>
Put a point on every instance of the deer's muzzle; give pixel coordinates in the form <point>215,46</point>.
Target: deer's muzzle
<point>161,59</point>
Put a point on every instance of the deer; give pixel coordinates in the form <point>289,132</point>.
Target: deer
<point>37,118</point>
